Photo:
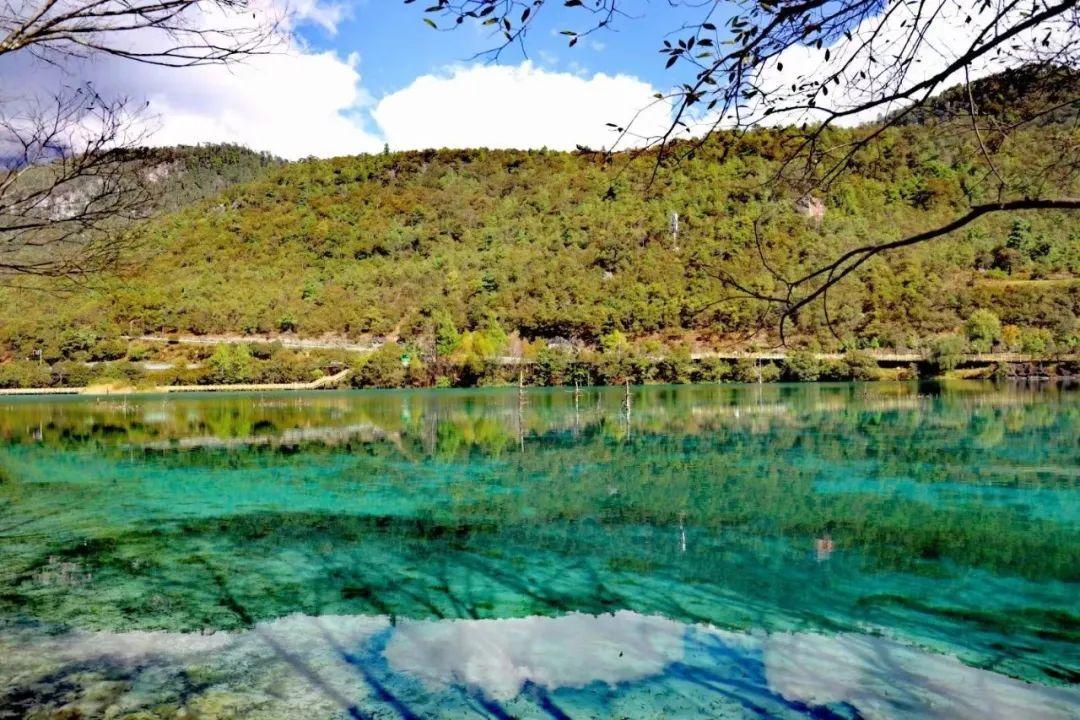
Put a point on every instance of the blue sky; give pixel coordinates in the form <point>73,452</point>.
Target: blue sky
<point>396,47</point>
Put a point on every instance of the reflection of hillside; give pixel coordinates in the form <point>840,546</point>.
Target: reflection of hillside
<point>492,420</point>
<point>291,437</point>
<point>903,478</point>
<point>711,453</point>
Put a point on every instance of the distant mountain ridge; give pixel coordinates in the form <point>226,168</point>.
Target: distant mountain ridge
<point>1044,94</point>
<point>184,174</point>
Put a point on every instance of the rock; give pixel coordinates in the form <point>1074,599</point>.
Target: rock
<point>810,207</point>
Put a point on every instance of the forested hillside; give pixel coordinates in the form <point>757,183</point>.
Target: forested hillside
<point>420,246</point>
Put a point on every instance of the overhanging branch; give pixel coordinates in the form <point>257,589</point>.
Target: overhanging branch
<point>813,285</point>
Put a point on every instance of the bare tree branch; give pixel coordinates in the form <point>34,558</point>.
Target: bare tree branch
<point>175,33</point>
<point>71,173</point>
<point>808,288</point>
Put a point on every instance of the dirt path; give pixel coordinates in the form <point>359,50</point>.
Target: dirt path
<point>288,342</point>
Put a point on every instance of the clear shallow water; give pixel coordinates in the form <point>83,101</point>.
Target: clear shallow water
<point>461,554</point>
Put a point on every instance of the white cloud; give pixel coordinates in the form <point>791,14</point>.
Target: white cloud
<point>294,104</point>
<point>327,15</point>
<point>293,101</point>
<point>519,106</point>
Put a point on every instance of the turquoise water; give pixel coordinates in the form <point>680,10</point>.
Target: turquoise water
<point>826,551</point>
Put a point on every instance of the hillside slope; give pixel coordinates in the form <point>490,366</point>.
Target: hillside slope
<point>418,243</point>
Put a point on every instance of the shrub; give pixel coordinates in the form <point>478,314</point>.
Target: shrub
<point>264,351</point>
<point>51,353</point>
<point>770,372</point>
<point>859,366</point>
<point>383,368</point>
<point>72,374</point>
<point>677,367</point>
<point>638,368</point>
<point>1010,337</point>
<point>446,335</point>
<point>610,368</point>
<point>108,349</point>
<point>553,367</point>
<point>613,341</point>
<point>712,370</point>
<point>24,374</point>
<point>287,323</point>
<point>75,344</point>
<point>113,373</point>
<point>127,371</point>
<point>138,352</point>
<point>285,367</point>
<point>751,371</point>
<point>477,351</point>
<point>490,338</point>
<point>835,370</point>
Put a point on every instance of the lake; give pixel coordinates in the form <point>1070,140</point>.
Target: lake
<point>826,551</point>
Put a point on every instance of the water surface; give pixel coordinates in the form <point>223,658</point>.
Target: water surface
<point>827,551</point>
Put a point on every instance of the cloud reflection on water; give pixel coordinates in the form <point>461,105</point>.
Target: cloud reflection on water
<point>571,651</point>
<point>885,679</point>
<point>580,665</point>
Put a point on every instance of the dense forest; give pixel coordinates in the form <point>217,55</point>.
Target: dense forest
<point>468,255</point>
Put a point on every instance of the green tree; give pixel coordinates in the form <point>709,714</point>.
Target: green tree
<point>229,364</point>
<point>75,343</point>
<point>447,337</point>
<point>983,329</point>
<point>1019,235</point>
<point>1035,341</point>
<point>721,66</point>
<point>287,323</point>
<point>752,371</point>
<point>553,367</point>
<point>614,341</point>
<point>947,351</point>
<point>24,374</point>
<point>802,366</point>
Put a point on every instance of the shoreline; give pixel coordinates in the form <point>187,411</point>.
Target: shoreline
<point>332,383</point>
<point>339,344</point>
